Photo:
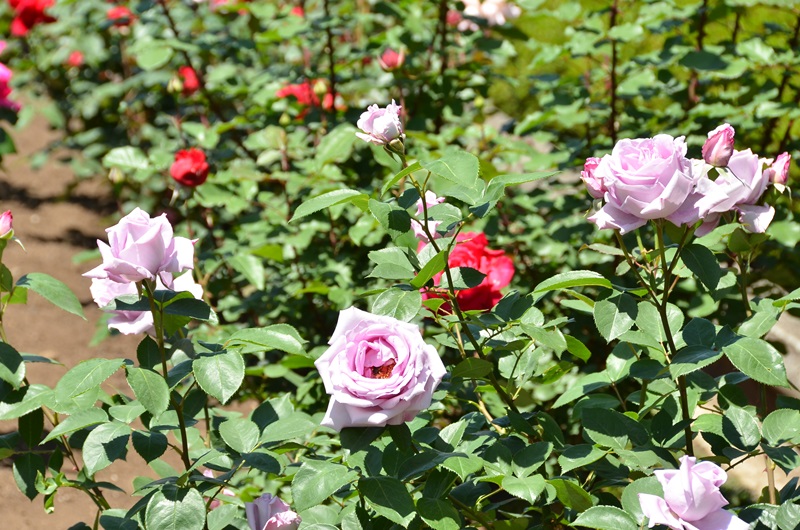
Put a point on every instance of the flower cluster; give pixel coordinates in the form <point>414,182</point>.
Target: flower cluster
<point>307,96</point>
<point>140,248</point>
<point>692,500</point>
<point>378,371</point>
<point>651,178</point>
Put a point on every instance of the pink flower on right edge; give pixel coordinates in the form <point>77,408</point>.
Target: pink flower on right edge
<point>692,499</point>
<point>270,513</point>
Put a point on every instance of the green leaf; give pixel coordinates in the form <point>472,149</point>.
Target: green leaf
<point>296,425</point>
<point>740,428</point>
<point>77,422</point>
<point>472,368</point>
<point>463,466</point>
<point>223,517</point>
<point>691,359</point>
<point>175,509</point>
<point>571,494</point>
<point>583,386</point>
<point>152,55</point>
<point>106,443</point>
<point>12,365</point>
<point>610,428</point>
<point>52,290</point>
<point>606,518</point>
<point>576,456</point>
<point>703,60</point>
<point>435,265</point>
<point>460,168</point>
<point>568,280</point>
<point>630,496</point>
<point>496,188</point>
<point>149,444</point>
<point>788,516</point>
<point>150,389</point>
<point>251,267</point>
<point>758,360</point>
<point>398,303</point>
<point>389,498</point>
<point>466,277</point>
<point>781,426</point>
<point>126,158</point>
<point>785,457</point>
<point>395,220</point>
<point>26,468</point>
<point>32,398</point>
<point>614,316</point>
<point>439,514</point>
<point>316,480</point>
<point>326,200</point>
<point>526,488</point>
<point>219,374</point>
<point>240,434</point>
<point>281,337</point>
<point>416,166</point>
<point>704,264</point>
<point>86,376</point>
<point>530,458</point>
<point>336,145</point>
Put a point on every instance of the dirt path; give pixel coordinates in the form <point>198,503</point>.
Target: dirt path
<point>53,232</point>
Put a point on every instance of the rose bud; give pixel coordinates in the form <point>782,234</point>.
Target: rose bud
<point>75,59</point>
<point>120,16</point>
<point>190,167</point>
<point>391,60</point>
<point>778,171</point>
<point>270,513</point>
<point>718,148</point>
<point>6,228</point>
<point>190,81</point>
<point>381,126</point>
<point>593,183</point>
<point>298,11</point>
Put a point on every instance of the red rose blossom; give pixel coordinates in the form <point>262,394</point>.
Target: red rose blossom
<point>75,59</point>
<point>471,250</point>
<point>28,13</point>
<point>190,167</point>
<point>306,96</point>
<point>191,83</point>
<point>120,16</point>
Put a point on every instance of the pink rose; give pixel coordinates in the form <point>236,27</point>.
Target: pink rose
<point>140,248</point>
<point>494,12</point>
<point>692,500</point>
<point>391,60</point>
<point>75,59</point>
<point>472,250</point>
<point>593,184</point>
<point>29,13</point>
<point>778,171</point>
<point>645,178</point>
<point>381,126</point>
<point>378,371</point>
<point>5,88</point>
<point>737,188</point>
<point>270,513</point>
<point>718,148</point>
<point>6,225</point>
<point>430,200</point>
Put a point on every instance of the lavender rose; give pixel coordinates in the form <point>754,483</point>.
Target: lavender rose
<point>645,178</point>
<point>778,171</point>
<point>270,513</point>
<point>718,148</point>
<point>430,200</point>
<point>142,248</point>
<point>692,500</point>
<point>378,371</point>
<point>381,126</point>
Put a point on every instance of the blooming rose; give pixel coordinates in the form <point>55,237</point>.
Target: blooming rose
<point>270,513</point>
<point>191,83</point>
<point>104,291</point>
<point>143,248</point>
<point>120,16</point>
<point>472,250</point>
<point>190,167</point>
<point>430,200</point>
<point>75,59</point>
<point>738,188</point>
<point>381,126</point>
<point>391,60</point>
<point>6,225</point>
<point>593,184</point>
<point>718,148</point>
<point>778,171</point>
<point>645,178</point>
<point>28,13</point>
<point>378,371</point>
<point>5,86</point>
<point>692,500</point>
<point>494,12</point>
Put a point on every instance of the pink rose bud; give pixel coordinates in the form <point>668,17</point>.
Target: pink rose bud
<point>381,126</point>
<point>430,200</point>
<point>270,513</point>
<point>593,183</point>
<point>75,59</point>
<point>779,170</point>
<point>378,371</point>
<point>6,229</point>
<point>391,60</point>
<point>718,148</point>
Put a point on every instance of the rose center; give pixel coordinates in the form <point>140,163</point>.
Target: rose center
<point>382,372</point>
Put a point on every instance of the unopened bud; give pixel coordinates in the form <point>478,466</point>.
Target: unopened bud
<point>6,222</point>
<point>718,149</point>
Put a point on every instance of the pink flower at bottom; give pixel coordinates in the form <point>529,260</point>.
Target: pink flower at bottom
<point>692,499</point>
<point>270,513</point>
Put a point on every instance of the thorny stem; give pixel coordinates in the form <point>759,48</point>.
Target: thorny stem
<point>329,51</point>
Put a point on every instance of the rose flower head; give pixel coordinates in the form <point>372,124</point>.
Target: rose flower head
<point>6,225</point>
<point>595,185</point>
<point>692,499</point>
<point>190,167</point>
<point>718,148</point>
<point>778,171</point>
<point>381,125</point>
<point>120,16</point>
<point>189,79</point>
<point>270,513</point>
<point>392,60</point>
<point>378,371</point>
<point>29,13</point>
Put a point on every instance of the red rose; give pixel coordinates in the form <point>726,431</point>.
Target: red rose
<point>471,250</point>
<point>191,83</point>
<point>306,96</point>
<point>120,16</point>
<point>28,13</point>
<point>75,59</point>
<point>190,167</point>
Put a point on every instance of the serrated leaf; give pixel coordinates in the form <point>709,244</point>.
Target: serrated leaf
<point>175,509</point>
<point>526,488</point>
<point>691,359</point>
<point>52,290</point>
<point>126,158</point>
<point>740,428</point>
<point>296,425</point>
<point>781,426</point>
<point>704,264</point>
<point>576,456</point>
<point>149,444</point>
<point>150,389</point>
<point>435,265</point>
<point>106,443</point>
<point>570,279</point>
<point>758,360</point>
<point>571,494</point>
<point>85,376</point>
<point>439,514</point>
<point>606,518</point>
<point>398,303</point>
<point>240,434</point>
<point>80,420</point>
<point>12,365</point>
<point>326,200</point>
<point>281,337</point>
<point>472,368</point>
<point>389,498</point>
<point>219,374</point>
<point>316,480</point>
<point>614,316</point>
